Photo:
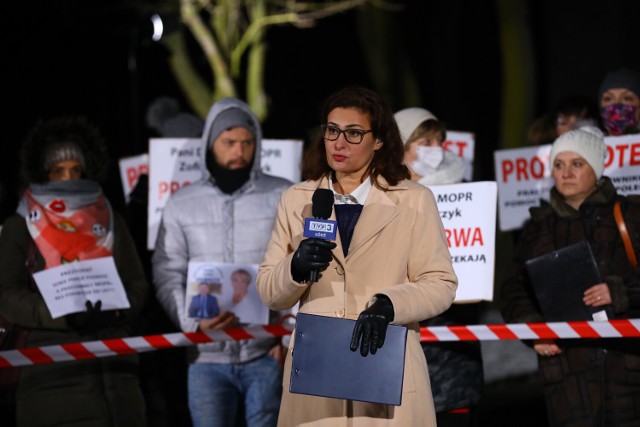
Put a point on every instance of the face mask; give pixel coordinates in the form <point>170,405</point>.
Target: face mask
<point>619,117</point>
<point>427,161</point>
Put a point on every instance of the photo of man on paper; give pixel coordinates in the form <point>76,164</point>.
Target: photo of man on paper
<point>204,304</point>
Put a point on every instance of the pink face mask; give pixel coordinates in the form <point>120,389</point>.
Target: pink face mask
<point>619,117</point>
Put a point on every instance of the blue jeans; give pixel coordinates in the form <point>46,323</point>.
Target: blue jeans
<point>218,393</point>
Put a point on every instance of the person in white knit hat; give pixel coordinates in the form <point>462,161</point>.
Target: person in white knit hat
<point>577,163</point>
<point>423,136</point>
<point>455,369</point>
<point>585,382</point>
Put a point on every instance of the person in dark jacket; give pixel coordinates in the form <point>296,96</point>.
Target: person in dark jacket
<point>63,216</point>
<point>455,368</point>
<point>587,382</point>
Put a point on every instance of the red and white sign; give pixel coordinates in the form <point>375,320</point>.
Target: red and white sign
<point>468,212</point>
<point>524,176</point>
<point>463,144</point>
<point>177,162</point>
<point>130,170</point>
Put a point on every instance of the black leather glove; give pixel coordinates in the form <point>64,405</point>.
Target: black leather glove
<point>371,326</point>
<point>92,319</point>
<point>312,254</point>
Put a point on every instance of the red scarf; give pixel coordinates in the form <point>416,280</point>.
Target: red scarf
<point>69,221</point>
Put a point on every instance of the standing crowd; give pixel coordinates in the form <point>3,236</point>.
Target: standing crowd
<point>389,264</point>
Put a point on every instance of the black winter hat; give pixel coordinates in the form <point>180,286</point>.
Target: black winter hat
<point>623,78</point>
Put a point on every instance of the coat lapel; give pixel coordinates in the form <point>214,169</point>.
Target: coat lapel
<point>379,210</point>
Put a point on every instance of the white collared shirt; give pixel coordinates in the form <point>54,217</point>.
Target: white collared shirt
<point>357,196</point>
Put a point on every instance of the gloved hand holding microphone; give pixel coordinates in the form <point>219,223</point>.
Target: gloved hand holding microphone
<point>314,254</point>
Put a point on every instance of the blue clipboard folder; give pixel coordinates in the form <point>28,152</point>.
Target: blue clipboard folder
<point>324,365</point>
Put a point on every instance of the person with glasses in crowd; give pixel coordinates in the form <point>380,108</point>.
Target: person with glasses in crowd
<point>378,271</point>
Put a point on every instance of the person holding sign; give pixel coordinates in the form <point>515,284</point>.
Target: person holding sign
<point>586,382</point>
<point>378,270</point>
<point>224,218</point>
<point>63,217</point>
<point>455,368</point>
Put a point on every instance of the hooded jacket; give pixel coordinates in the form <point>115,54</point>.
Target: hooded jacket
<point>103,392</point>
<point>200,223</point>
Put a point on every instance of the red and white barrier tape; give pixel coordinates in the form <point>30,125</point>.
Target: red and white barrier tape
<point>627,328</point>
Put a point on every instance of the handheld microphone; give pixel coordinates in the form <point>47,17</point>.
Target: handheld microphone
<point>320,227</point>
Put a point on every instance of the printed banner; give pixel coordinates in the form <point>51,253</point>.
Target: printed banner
<point>524,176</point>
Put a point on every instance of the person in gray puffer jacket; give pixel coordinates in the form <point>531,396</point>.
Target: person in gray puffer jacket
<point>226,217</point>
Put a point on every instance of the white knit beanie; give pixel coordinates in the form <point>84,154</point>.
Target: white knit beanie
<point>588,142</point>
<point>409,119</point>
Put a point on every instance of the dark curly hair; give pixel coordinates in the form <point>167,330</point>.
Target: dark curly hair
<point>387,161</point>
<point>63,130</point>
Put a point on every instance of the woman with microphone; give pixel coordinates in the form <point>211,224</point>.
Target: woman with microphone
<point>389,264</point>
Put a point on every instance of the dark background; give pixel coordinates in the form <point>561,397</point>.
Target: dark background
<point>97,59</point>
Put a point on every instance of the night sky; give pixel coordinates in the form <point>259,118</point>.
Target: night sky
<point>96,59</point>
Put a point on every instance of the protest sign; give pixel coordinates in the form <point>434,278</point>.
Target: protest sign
<point>524,176</point>
<point>468,212</point>
<point>462,144</point>
<point>177,162</point>
<point>67,287</point>
<point>130,170</point>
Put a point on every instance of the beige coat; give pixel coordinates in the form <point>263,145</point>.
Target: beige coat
<point>398,249</point>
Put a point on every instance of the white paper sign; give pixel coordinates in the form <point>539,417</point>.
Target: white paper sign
<point>67,287</point>
<point>173,164</point>
<point>524,176</point>
<point>463,144</point>
<point>282,157</point>
<point>130,170</point>
<point>177,162</point>
<point>468,212</point>
<point>216,287</point>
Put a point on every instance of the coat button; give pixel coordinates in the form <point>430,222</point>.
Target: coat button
<point>340,312</point>
<point>340,269</point>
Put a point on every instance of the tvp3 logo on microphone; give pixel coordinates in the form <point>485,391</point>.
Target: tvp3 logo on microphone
<point>320,228</point>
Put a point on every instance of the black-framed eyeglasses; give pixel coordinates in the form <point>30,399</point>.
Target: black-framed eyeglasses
<point>353,136</point>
